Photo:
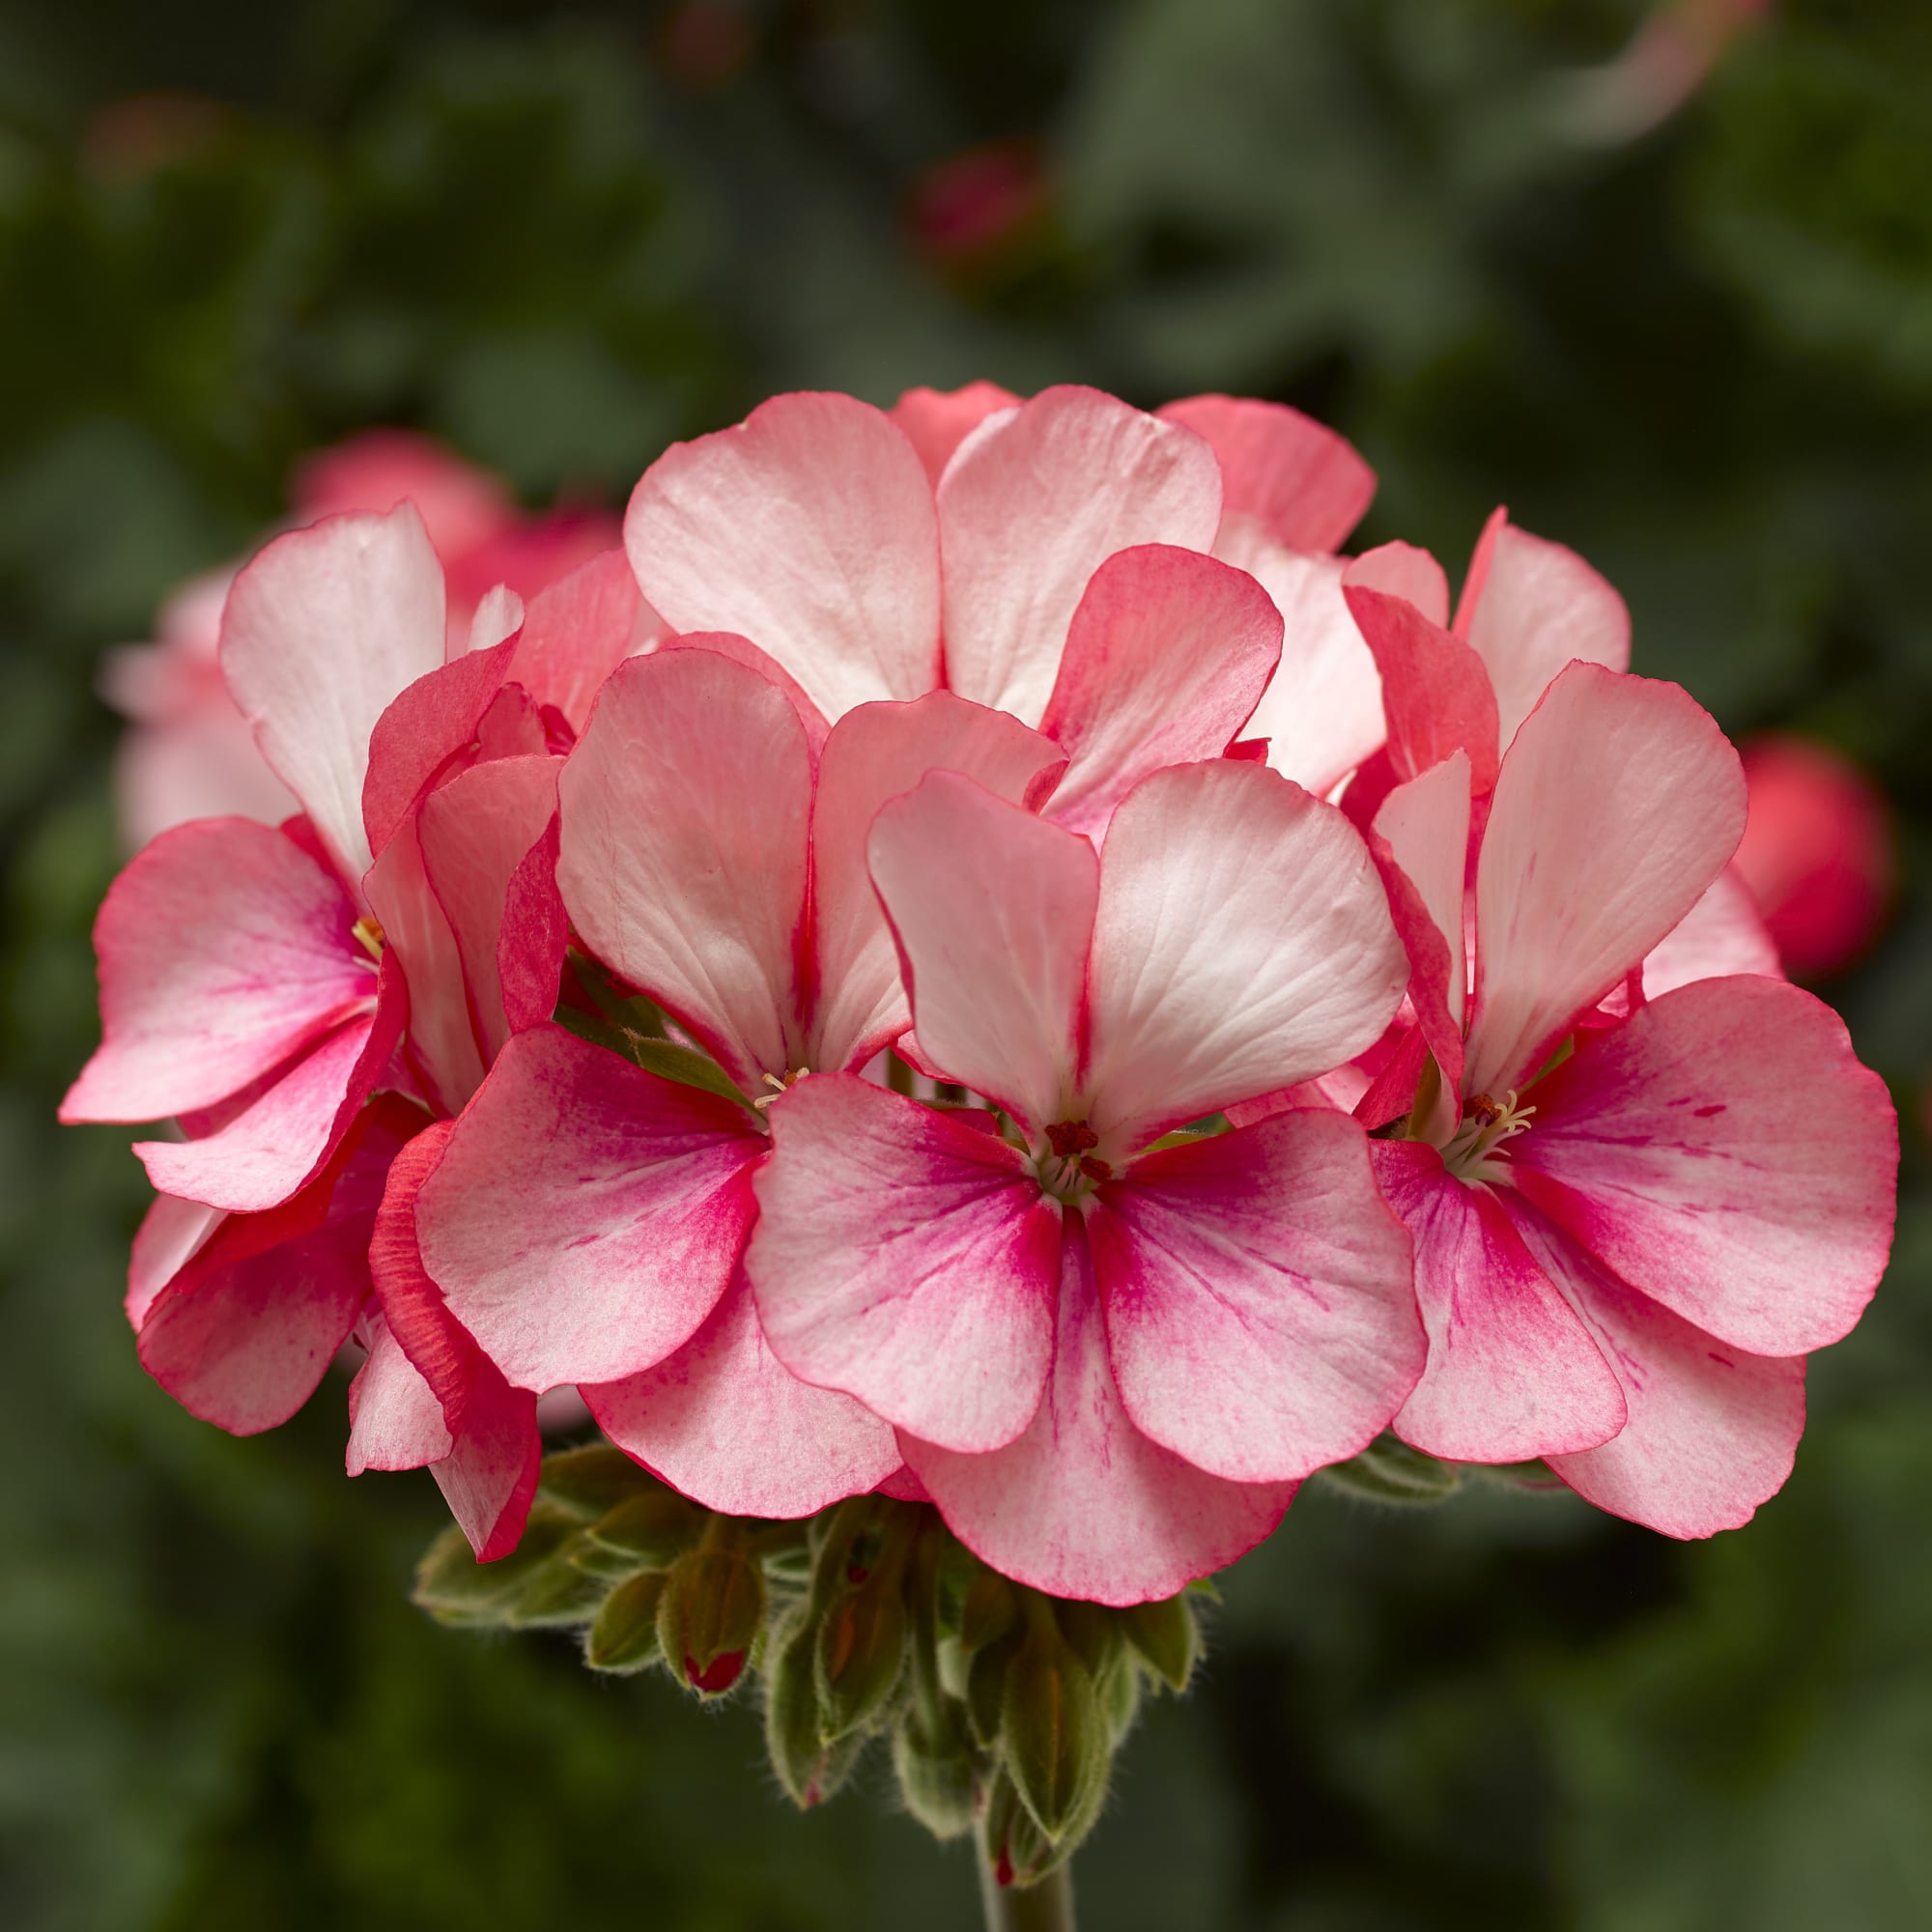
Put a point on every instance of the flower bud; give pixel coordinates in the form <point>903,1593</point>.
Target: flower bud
<point>650,1530</point>
<point>1053,1731</point>
<point>810,1768</point>
<point>559,1596</point>
<point>711,1612</point>
<point>861,1657</point>
<point>590,1482</point>
<point>1389,1471</point>
<point>1017,1849</point>
<point>986,1686</point>
<point>456,1589</point>
<point>938,1771</point>
<point>1165,1637</point>
<point>624,1638</point>
<point>992,1608</point>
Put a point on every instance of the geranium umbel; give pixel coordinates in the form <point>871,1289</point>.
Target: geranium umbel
<point>935,1164</point>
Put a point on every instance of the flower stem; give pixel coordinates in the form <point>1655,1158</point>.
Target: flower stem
<point>1045,1907</point>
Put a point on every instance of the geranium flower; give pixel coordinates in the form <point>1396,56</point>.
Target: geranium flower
<point>1109,1361</point>
<point>587,1220</point>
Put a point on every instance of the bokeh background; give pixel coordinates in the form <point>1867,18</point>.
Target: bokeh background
<point>1676,312</point>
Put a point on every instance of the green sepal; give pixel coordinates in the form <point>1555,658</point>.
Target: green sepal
<point>1121,1694</point>
<point>1537,1477</point>
<point>1093,1631</point>
<point>810,1768</point>
<point>653,1529</point>
<point>1389,1471</point>
<point>624,1638</point>
<point>592,1481</point>
<point>1166,1637</point>
<point>709,1618</point>
<point>938,1770</point>
<point>613,1566</point>
<point>456,1589</point>
<point>1053,1736</point>
<point>559,1596</point>
<point>664,1058</point>
<point>991,1609</point>
<point>986,1686</point>
<point>860,1658</point>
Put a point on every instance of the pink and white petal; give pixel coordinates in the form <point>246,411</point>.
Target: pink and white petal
<point>1725,1152</point>
<point>742,650</point>
<point>1260,1320</point>
<point>421,737</point>
<point>489,1478</point>
<point>1618,804</point>
<point>726,1422</point>
<point>685,823</point>
<point>395,1422</point>
<point>1166,659</point>
<point>244,1332</point>
<point>1031,505</point>
<point>903,1485</point>
<point>578,630</point>
<point>1712,1432</point>
<point>204,765</point>
<point>876,752</point>
<point>1402,570</point>
<point>1721,935</point>
<point>1513,1374</point>
<point>475,832</point>
<point>1421,842</point>
<point>1303,484</point>
<point>442,1048</point>
<point>807,529</point>
<point>498,617</point>
<point>906,1259</point>
<point>937,421</point>
<point>1243,943</point>
<point>322,632</point>
<point>170,1232</point>
<point>585,1215</point>
<point>1322,712</point>
<point>993,913</point>
<point>223,949</point>
<point>535,936</point>
<point>277,1146</point>
<point>1083,1504</point>
<point>1529,607</point>
<point>1436,690</point>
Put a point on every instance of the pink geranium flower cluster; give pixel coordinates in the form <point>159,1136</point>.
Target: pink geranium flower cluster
<point>980,957</point>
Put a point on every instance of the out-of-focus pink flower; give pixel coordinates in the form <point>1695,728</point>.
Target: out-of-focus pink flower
<point>1819,853</point>
<point>1109,1361</point>
<point>1669,58</point>
<point>971,208</point>
<point>191,753</point>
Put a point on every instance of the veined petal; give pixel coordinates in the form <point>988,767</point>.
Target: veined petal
<point>578,630</point>
<point>1260,1316</point>
<point>1295,477</point>
<point>1031,505</point>
<point>1722,935</point>
<point>418,739</point>
<point>1513,1374</point>
<point>224,949</point>
<point>685,810</point>
<point>874,754</point>
<point>1724,1154</point>
<point>993,910</point>
<point>724,1421</point>
<point>1711,1431</point>
<point>1083,1504</point>
<point>937,421</point>
<point>586,1215</point>
<point>395,1421</point>
<point>807,529</point>
<point>907,1259</point>
<point>1166,659</point>
<point>1436,690</point>
<point>1243,943</point>
<point>322,630</point>
<point>1617,806</point>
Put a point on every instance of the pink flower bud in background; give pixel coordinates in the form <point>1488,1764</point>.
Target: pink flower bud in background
<point>967,211</point>
<point>1819,852</point>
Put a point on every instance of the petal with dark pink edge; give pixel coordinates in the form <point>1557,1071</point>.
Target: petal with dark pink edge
<point>1243,943</point>
<point>246,1330</point>
<point>906,1259</point>
<point>423,734</point>
<point>742,650</point>
<point>578,630</point>
<point>874,754</point>
<point>395,1421</point>
<point>1618,804</point>
<point>170,1232</point>
<point>1421,842</point>
<point>937,421</point>
<point>1306,486</point>
<point>1083,1504</point>
<point>322,632</point>
<point>1725,1152</point>
<point>684,811</point>
<point>1721,935</point>
<point>1711,1431</point>
<point>1512,1373</point>
<point>993,911</point>
<point>586,1215</point>
<point>534,937</point>
<point>807,529</point>
<point>1436,693</point>
<point>724,1421</point>
<point>1529,607</point>
<point>1260,1316</point>
<point>280,1143</point>
<point>1322,713</point>
<point>1402,570</point>
<point>1167,657</point>
<point>475,832</point>
<point>1031,505</point>
<point>224,949</point>
<point>443,1049</point>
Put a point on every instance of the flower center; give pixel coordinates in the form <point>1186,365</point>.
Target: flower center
<point>367,932</point>
<point>1068,1169</point>
<point>1475,1150</point>
<point>779,1086</point>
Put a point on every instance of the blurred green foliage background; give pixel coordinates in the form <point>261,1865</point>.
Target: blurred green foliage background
<point>560,237</point>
